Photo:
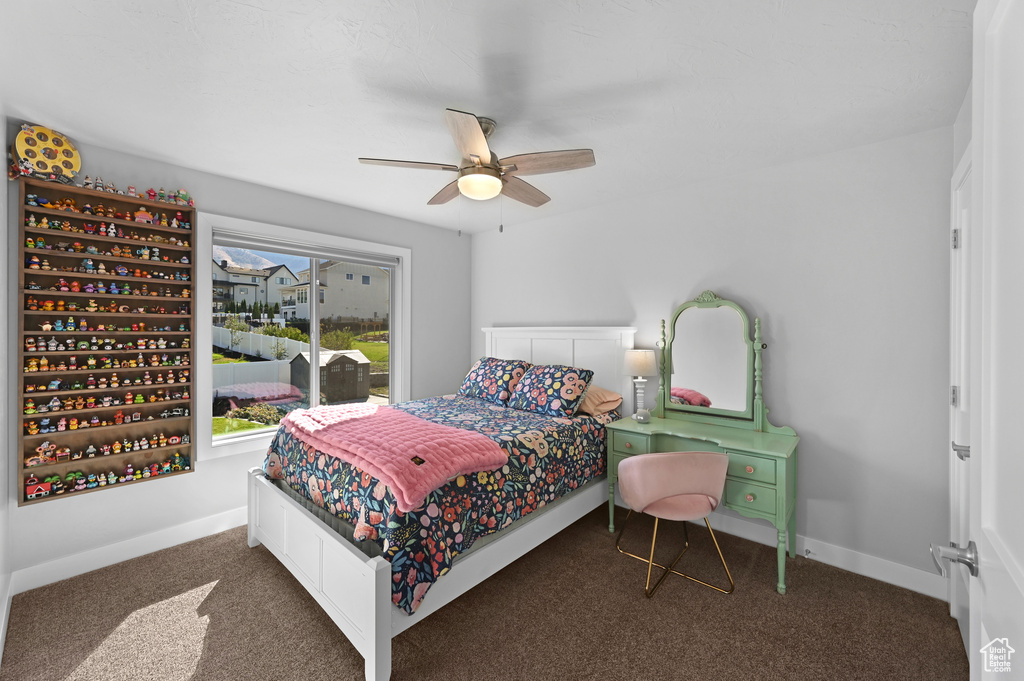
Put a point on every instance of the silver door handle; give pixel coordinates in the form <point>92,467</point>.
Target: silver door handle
<point>963,452</point>
<point>968,556</point>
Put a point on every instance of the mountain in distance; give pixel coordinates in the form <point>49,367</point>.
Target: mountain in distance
<point>258,260</point>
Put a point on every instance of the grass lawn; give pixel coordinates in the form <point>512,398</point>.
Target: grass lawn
<point>221,359</point>
<point>375,352</point>
<point>224,426</point>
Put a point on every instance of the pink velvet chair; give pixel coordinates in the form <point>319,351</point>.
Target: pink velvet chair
<point>678,486</point>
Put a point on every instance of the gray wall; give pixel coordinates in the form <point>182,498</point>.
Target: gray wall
<point>962,128</point>
<point>7,464</point>
<point>95,523</point>
<point>844,258</point>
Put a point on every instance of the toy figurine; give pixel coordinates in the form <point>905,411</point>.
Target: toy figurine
<point>35,489</point>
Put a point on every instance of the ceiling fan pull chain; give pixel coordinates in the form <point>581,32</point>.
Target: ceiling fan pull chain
<point>501,214</point>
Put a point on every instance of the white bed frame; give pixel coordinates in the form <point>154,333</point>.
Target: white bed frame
<point>354,590</point>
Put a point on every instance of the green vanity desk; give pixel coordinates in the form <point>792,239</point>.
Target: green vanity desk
<point>761,480</point>
<point>711,398</point>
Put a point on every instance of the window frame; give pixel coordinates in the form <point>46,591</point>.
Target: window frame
<point>270,237</point>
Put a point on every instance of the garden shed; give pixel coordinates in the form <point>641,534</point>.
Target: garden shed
<point>344,375</point>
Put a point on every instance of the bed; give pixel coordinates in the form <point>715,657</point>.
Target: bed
<point>371,599</point>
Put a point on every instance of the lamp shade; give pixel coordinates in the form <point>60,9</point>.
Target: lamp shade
<point>479,183</point>
<point>641,363</point>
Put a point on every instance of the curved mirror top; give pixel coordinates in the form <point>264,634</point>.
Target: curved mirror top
<point>710,359</point>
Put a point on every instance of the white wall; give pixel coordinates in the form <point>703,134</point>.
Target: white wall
<point>8,464</point>
<point>97,529</point>
<point>962,128</point>
<point>843,256</point>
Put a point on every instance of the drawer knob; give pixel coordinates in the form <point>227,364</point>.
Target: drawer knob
<point>750,497</point>
<point>750,469</point>
<point>629,445</point>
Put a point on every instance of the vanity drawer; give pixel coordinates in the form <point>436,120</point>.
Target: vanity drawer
<point>629,444</point>
<point>746,467</point>
<point>742,495</point>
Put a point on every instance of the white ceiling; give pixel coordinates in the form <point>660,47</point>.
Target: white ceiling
<point>288,93</point>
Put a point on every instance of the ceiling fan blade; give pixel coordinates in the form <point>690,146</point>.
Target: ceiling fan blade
<point>449,192</point>
<point>523,191</point>
<point>468,135</point>
<point>408,164</point>
<point>549,161</point>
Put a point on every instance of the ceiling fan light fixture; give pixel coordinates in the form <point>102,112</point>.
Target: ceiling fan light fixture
<point>479,183</point>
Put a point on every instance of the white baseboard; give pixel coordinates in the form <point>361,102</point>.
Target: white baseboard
<point>5,611</point>
<point>883,570</point>
<point>93,559</point>
<point>897,574</point>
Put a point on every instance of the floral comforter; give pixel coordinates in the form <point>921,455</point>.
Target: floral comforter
<point>548,458</point>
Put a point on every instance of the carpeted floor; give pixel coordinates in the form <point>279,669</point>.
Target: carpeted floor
<point>573,608</point>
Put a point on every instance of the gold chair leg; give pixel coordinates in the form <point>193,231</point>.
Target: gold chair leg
<point>618,538</point>
<point>671,568</point>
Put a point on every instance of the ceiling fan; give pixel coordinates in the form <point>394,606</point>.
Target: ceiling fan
<point>482,175</point>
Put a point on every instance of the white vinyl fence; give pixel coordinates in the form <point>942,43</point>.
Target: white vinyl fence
<point>258,345</point>
<point>251,372</point>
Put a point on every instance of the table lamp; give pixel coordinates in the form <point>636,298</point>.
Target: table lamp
<point>640,363</point>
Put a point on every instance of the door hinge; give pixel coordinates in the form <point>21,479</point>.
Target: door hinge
<point>954,395</point>
<point>956,238</point>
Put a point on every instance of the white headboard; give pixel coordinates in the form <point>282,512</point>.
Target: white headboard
<point>598,348</point>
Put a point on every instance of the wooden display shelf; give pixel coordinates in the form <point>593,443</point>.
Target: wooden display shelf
<point>26,502</point>
<point>47,188</point>
<point>40,353</point>
<point>174,367</point>
<point>36,334</point>
<point>75,413</point>
<point>119,427</point>
<point>81,313</point>
<point>111,276</point>
<point>62,467</point>
<point>93,276</point>
<point>177,312</point>
<point>89,238</point>
<point>114,298</point>
<point>130,205</point>
<point>88,217</point>
<point>49,394</point>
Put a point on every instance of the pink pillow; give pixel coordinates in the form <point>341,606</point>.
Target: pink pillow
<point>599,401</point>
<point>692,397</point>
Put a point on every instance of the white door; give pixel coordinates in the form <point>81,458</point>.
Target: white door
<point>997,356</point>
<point>959,375</point>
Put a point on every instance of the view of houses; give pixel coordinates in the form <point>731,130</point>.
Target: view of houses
<point>261,317</point>
<point>349,292</point>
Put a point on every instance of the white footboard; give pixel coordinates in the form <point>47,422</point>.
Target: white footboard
<point>354,590</point>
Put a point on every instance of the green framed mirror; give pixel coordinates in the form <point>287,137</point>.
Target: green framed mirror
<point>708,359</point>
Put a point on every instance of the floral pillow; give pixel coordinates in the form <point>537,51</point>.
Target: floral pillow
<point>493,379</point>
<point>551,389</point>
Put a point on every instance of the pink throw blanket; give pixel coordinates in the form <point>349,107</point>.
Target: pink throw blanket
<point>692,397</point>
<point>410,455</point>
